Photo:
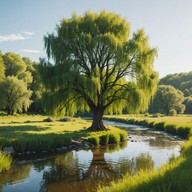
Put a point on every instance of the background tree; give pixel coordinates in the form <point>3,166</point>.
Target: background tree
<point>167,99</point>
<point>188,105</point>
<point>97,67</point>
<point>35,86</point>
<point>181,81</point>
<point>2,67</point>
<point>15,95</point>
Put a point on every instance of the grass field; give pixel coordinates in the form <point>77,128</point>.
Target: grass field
<point>33,133</point>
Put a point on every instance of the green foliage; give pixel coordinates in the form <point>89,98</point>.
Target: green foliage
<point>104,139</point>
<point>97,66</point>
<point>172,112</point>
<point>123,136</point>
<point>167,98</point>
<point>181,81</point>
<point>5,161</point>
<point>48,119</point>
<point>2,67</point>
<point>14,65</point>
<point>178,125</point>
<point>65,119</point>
<point>94,140</point>
<point>112,136</point>
<point>15,96</point>
<point>35,86</point>
<point>188,105</point>
<point>15,79</point>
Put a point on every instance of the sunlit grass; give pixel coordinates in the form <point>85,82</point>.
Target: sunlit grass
<point>180,124</point>
<point>32,133</point>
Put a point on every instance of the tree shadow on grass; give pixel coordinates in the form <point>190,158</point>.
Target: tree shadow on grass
<point>22,130</point>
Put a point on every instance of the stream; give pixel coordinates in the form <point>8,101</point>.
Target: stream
<point>83,170</point>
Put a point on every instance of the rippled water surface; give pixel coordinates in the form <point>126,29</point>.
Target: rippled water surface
<point>83,170</point>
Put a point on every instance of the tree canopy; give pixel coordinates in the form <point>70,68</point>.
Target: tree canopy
<point>181,81</point>
<point>167,99</point>
<point>14,82</point>
<point>98,66</point>
<point>2,67</point>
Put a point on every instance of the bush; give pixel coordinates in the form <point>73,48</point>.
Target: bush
<point>114,138</point>
<point>158,115</point>
<point>94,140</point>
<point>65,119</point>
<point>48,120</point>
<point>123,136</point>
<point>172,112</point>
<point>171,128</point>
<point>184,131</point>
<point>159,126</point>
<point>104,139</point>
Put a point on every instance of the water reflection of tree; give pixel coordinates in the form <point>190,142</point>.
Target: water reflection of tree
<point>15,174</point>
<point>67,175</point>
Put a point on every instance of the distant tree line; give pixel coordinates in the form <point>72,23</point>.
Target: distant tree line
<point>21,89</point>
<point>174,94</point>
<point>20,85</point>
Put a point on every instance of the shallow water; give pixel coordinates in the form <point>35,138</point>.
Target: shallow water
<point>83,170</point>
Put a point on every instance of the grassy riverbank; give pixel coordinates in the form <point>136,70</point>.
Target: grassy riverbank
<point>36,134</point>
<point>171,177</point>
<point>180,125</point>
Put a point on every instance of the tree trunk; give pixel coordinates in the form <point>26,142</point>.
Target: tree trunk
<point>97,124</point>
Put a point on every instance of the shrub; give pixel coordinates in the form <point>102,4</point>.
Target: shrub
<point>157,115</point>
<point>172,112</point>
<point>171,128</point>
<point>159,126</point>
<point>123,136</point>
<point>104,139</point>
<point>114,138</point>
<point>183,131</point>
<point>48,120</point>
<point>94,140</point>
<point>65,119</point>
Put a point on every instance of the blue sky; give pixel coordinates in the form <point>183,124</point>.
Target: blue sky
<point>168,23</point>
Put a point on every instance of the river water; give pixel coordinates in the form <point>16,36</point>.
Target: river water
<point>83,170</point>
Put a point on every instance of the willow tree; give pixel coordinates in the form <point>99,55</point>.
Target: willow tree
<point>97,67</point>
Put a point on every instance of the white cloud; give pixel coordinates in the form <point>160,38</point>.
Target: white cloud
<point>16,37</point>
<point>30,51</point>
<point>28,33</point>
